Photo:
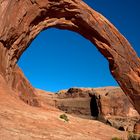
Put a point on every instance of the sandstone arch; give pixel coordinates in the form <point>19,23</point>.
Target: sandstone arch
<point>21,21</point>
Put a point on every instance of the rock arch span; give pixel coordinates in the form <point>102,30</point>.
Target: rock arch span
<point>21,21</point>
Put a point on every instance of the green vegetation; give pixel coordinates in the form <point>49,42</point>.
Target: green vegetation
<point>116,138</point>
<point>133,136</point>
<point>64,117</point>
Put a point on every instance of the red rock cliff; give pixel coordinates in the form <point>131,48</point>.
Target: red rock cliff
<point>21,21</point>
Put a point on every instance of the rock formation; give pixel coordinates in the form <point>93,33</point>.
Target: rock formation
<point>23,87</point>
<point>21,22</point>
<point>108,104</point>
<point>19,121</point>
<point>137,128</point>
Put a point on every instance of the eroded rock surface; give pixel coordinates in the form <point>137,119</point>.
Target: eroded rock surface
<point>111,101</point>
<point>108,104</point>
<point>137,127</point>
<point>19,121</point>
<point>22,86</point>
<point>21,22</point>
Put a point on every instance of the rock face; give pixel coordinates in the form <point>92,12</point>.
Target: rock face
<point>108,104</point>
<point>21,22</point>
<point>24,89</point>
<point>111,101</point>
<point>137,127</point>
<point>19,121</point>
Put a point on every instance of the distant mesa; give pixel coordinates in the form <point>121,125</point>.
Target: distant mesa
<point>109,105</point>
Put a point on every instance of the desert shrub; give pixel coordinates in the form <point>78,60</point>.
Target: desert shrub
<point>133,136</point>
<point>64,117</point>
<point>116,138</point>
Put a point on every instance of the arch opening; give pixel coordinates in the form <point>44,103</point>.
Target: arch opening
<point>65,59</point>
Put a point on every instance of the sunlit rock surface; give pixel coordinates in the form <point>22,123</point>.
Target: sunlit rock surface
<point>22,21</point>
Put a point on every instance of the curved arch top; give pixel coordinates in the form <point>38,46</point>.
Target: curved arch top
<point>21,21</point>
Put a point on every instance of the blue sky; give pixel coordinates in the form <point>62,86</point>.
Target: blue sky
<point>60,59</point>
